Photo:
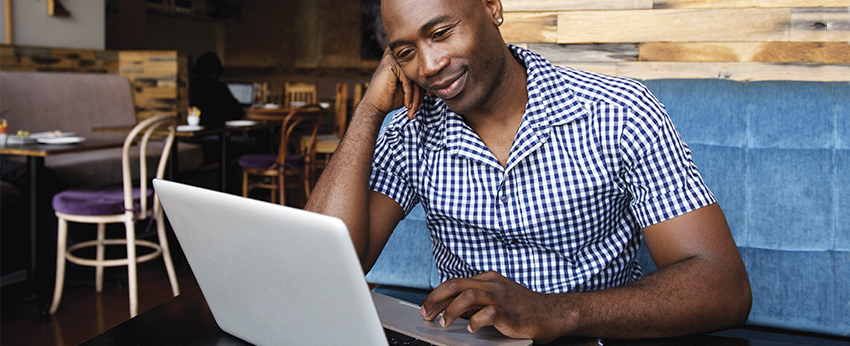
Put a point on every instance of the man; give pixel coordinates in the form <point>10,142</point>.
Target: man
<point>537,182</point>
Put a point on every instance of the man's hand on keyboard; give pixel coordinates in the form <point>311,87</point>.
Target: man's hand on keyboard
<point>492,299</point>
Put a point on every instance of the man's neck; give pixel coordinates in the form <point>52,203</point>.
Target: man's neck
<point>497,120</point>
<point>507,101</point>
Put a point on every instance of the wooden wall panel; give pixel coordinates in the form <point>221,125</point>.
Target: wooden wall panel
<point>160,79</point>
<point>785,52</point>
<point>809,24</point>
<point>598,52</point>
<point>42,59</point>
<point>160,82</point>
<point>741,71</point>
<point>530,27</point>
<point>751,24</point>
<point>734,39</point>
<point>660,4</point>
<point>561,5</point>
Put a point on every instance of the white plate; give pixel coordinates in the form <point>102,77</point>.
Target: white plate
<point>47,135</point>
<point>19,140</point>
<point>187,128</point>
<point>240,123</point>
<point>61,140</point>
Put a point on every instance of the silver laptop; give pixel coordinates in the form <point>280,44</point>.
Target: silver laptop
<point>274,275</point>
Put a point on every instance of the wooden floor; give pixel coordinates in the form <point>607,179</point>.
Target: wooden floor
<point>84,313</point>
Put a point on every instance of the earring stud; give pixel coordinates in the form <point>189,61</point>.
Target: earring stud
<point>499,20</point>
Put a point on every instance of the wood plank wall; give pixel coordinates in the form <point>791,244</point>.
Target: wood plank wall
<point>160,79</point>
<point>33,59</point>
<point>651,39</point>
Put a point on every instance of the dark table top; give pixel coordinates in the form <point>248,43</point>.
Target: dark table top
<point>187,320</point>
<point>43,150</point>
<point>202,131</point>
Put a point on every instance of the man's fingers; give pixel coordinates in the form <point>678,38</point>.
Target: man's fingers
<point>416,101</point>
<point>488,316</point>
<point>471,300</point>
<point>442,296</point>
<point>408,88</point>
<point>468,292</point>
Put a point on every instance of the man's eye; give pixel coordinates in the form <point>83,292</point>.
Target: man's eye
<point>440,33</point>
<point>402,54</point>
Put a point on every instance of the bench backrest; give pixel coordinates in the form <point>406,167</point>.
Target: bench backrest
<point>69,102</point>
<point>776,154</point>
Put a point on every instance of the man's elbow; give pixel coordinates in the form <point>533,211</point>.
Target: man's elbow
<point>745,303</point>
<point>739,301</point>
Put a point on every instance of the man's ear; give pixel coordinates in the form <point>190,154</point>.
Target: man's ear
<point>494,9</point>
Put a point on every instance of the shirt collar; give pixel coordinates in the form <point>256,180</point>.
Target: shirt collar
<point>551,102</point>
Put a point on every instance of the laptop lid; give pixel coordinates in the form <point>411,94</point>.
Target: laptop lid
<point>242,92</point>
<point>272,275</point>
<point>275,275</point>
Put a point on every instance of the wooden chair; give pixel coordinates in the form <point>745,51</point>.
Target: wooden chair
<point>326,144</point>
<point>359,91</point>
<point>288,168</point>
<point>299,92</point>
<point>340,109</point>
<point>133,201</point>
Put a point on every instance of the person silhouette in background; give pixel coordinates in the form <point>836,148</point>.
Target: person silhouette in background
<point>210,95</point>
<point>217,105</point>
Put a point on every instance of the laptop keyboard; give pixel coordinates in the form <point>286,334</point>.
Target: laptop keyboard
<point>396,338</point>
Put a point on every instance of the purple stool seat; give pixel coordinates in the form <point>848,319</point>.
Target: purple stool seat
<point>100,201</point>
<point>261,161</point>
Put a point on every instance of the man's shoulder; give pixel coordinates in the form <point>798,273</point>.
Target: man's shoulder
<point>597,87</point>
<point>585,85</point>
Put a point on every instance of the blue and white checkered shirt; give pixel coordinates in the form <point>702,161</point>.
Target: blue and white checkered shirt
<point>595,159</point>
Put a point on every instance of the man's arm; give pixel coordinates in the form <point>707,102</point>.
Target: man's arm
<point>701,285</point>
<point>343,188</point>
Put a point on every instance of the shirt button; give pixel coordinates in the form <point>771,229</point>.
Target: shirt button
<point>504,198</point>
<point>514,242</point>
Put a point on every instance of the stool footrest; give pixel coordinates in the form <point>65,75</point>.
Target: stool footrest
<point>110,262</point>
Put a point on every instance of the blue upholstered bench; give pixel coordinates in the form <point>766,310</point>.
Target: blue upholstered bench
<point>776,154</point>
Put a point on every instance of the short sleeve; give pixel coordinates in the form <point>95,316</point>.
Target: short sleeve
<point>661,176</point>
<point>392,158</point>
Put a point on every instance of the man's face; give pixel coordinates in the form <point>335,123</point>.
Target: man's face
<point>451,48</point>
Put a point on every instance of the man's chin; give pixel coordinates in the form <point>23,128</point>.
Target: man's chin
<point>459,105</point>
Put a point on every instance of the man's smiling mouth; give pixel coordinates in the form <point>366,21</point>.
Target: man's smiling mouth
<point>452,89</point>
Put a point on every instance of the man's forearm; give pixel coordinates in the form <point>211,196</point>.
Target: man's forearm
<point>689,297</point>
<point>343,188</point>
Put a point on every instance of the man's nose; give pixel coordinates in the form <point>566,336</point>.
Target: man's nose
<point>432,62</point>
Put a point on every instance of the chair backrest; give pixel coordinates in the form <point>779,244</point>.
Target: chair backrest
<point>303,119</point>
<point>340,109</point>
<point>359,90</point>
<point>146,128</point>
<point>300,92</point>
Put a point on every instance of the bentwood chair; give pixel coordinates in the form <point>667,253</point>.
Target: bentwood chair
<point>303,93</point>
<point>135,200</point>
<point>292,166</point>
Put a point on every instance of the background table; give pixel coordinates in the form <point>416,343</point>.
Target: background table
<point>267,114</point>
